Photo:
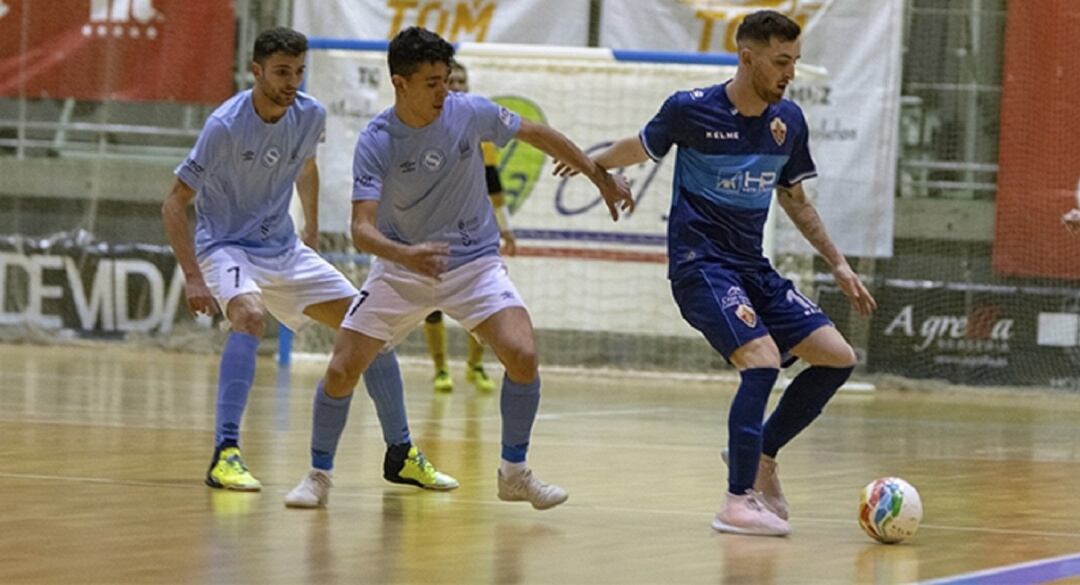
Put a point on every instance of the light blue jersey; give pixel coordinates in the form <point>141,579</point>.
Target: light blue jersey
<point>430,181</point>
<point>243,170</point>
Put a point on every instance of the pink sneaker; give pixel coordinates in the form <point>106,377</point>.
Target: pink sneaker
<point>747,514</point>
<point>767,483</point>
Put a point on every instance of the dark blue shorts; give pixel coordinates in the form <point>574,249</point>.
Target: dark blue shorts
<point>732,308</point>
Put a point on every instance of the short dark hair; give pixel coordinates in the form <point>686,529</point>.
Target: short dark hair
<point>763,25</point>
<point>415,46</point>
<point>279,40</point>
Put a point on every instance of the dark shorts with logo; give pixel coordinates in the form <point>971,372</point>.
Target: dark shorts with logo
<point>732,308</point>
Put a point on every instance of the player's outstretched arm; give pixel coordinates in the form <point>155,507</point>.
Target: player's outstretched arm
<point>178,230</point>
<point>614,190</point>
<point>801,211</point>
<point>623,153</point>
<point>307,187</point>
<point>428,258</point>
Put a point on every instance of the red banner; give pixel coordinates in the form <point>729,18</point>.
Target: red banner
<point>135,50</point>
<point>1039,160</point>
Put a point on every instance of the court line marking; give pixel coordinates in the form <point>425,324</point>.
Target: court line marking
<point>1032,572</point>
<point>368,494</point>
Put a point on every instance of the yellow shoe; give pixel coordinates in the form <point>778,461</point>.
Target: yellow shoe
<point>479,378</point>
<point>443,381</point>
<point>414,469</point>
<point>228,472</point>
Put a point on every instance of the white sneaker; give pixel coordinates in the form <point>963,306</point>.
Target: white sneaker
<point>524,487</point>
<point>767,483</point>
<point>747,514</point>
<point>312,492</point>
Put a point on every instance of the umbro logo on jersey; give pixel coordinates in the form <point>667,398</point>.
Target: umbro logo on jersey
<point>722,134</point>
<point>407,166</point>
<point>249,155</point>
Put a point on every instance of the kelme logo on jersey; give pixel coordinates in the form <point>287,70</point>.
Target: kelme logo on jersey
<point>519,163</point>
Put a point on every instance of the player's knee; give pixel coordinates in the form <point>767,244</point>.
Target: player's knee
<point>249,319</point>
<point>844,358</point>
<point>340,380</point>
<point>522,364</point>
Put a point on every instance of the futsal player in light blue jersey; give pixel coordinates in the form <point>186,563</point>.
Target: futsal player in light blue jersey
<point>420,204</point>
<point>739,141</point>
<point>246,257</point>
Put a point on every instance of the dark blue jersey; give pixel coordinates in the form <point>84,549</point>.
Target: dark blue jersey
<point>725,172</point>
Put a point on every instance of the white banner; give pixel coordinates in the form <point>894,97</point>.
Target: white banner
<point>853,112</point>
<point>553,22</point>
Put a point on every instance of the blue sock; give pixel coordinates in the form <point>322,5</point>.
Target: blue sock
<point>234,382</point>
<point>744,427</point>
<point>328,420</point>
<point>384,385</point>
<point>518,403</point>
<point>802,402</point>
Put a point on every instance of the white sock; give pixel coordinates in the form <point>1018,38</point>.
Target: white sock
<point>511,469</point>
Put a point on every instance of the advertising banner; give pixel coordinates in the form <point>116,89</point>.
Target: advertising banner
<point>136,50</point>
<point>70,282</point>
<point>978,335</point>
<point>1038,172</point>
<point>550,22</point>
<point>853,111</point>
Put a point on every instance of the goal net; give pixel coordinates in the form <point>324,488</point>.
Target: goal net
<point>597,290</point>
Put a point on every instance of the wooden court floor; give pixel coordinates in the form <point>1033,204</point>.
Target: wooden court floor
<point>103,450</point>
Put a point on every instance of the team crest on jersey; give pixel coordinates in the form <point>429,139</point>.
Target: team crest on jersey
<point>271,157</point>
<point>779,130</point>
<point>734,296</point>
<point>746,315</point>
<point>432,159</point>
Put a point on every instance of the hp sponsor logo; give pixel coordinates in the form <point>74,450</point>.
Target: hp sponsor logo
<point>746,182</point>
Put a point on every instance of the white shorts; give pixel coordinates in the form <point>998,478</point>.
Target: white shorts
<point>394,299</point>
<point>288,283</point>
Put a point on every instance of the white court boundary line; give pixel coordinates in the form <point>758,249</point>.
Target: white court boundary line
<point>976,576</point>
<point>379,494</point>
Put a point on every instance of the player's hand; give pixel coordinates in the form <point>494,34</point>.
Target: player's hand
<point>509,243</point>
<point>199,299</point>
<point>1072,220</point>
<point>310,237</point>
<point>428,258</point>
<point>615,190</point>
<point>564,170</point>
<point>854,289</point>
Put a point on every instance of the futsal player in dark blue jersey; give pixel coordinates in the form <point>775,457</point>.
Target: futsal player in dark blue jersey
<point>738,142</point>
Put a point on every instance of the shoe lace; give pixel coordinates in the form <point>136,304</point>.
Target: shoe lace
<point>425,466</point>
<point>236,463</point>
<point>320,478</point>
<point>756,500</point>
